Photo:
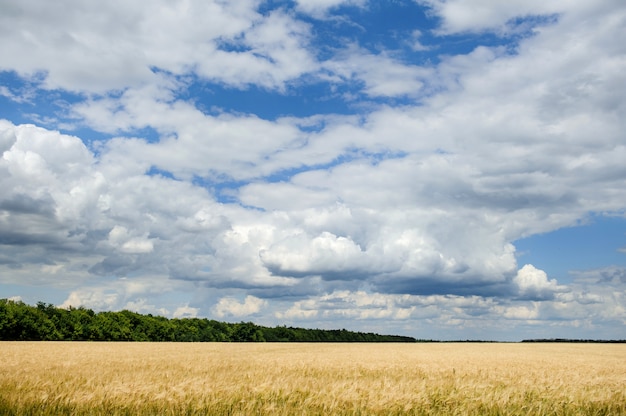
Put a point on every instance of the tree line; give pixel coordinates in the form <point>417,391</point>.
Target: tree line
<point>46,322</point>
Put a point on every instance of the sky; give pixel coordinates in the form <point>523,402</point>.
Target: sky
<point>442,169</point>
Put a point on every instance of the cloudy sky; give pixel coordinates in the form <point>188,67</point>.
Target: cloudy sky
<point>439,169</point>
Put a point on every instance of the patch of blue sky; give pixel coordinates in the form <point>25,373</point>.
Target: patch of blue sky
<point>93,139</point>
<point>390,27</point>
<point>399,22</point>
<point>23,101</point>
<point>376,28</point>
<point>224,190</point>
<point>155,171</point>
<point>301,101</point>
<point>21,97</point>
<point>508,37</point>
<point>302,98</point>
<point>268,6</point>
<point>27,93</point>
<point>407,31</point>
<point>523,26</point>
<point>12,111</point>
<point>232,45</point>
<point>594,244</point>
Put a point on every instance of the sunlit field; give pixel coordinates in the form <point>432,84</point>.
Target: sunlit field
<point>220,378</point>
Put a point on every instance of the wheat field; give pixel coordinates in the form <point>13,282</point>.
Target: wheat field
<point>51,378</point>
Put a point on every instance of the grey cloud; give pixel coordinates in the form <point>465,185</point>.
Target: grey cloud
<point>25,204</point>
<point>609,275</point>
<point>118,265</point>
<point>302,288</point>
<point>502,145</point>
<point>430,285</point>
<point>9,262</point>
<point>326,275</point>
<point>217,281</point>
<point>22,238</point>
<point>536,295</point>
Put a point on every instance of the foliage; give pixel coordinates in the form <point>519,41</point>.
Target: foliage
<point>22,322</point>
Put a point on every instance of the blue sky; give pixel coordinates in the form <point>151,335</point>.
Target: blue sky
<point>439,169</point>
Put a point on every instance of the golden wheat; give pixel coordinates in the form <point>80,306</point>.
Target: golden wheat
<point>212,378</point>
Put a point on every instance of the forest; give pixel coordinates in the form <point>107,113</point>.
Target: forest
<point>46,322</point>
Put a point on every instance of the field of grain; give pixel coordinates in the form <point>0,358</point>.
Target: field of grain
<point>213,378</point>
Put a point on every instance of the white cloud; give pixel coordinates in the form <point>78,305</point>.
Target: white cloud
<point>111,46</point>
<point>65,205</point>
<point>231,307</point>
<point>479,15</point>
<point>325,253</point>
<point>382,75</point>
<point>523,312</point>
<point>469,317</point>
<point>392,309</point>
<point>534,283</point>
<point>299,311</point>
<point>319,8</point>
<point>120,238</point>
<point>193,143</point>
<point>399,212</point>
<point>97,299</point>
<point>186,312</point>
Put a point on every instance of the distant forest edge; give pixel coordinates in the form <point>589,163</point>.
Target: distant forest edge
<point>46,322</point>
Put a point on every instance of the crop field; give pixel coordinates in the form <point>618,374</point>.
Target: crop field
<point>51,378</point>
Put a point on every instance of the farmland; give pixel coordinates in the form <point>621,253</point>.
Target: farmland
<point>300,378</point>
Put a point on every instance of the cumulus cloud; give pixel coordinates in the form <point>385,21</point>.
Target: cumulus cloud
<point>231,307</point>
<point>186,312</point>
<point>98,299</point>
<point>533,283</point>
<point>65,204</point>
<point>405,209</point>
<point>324,254</point>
